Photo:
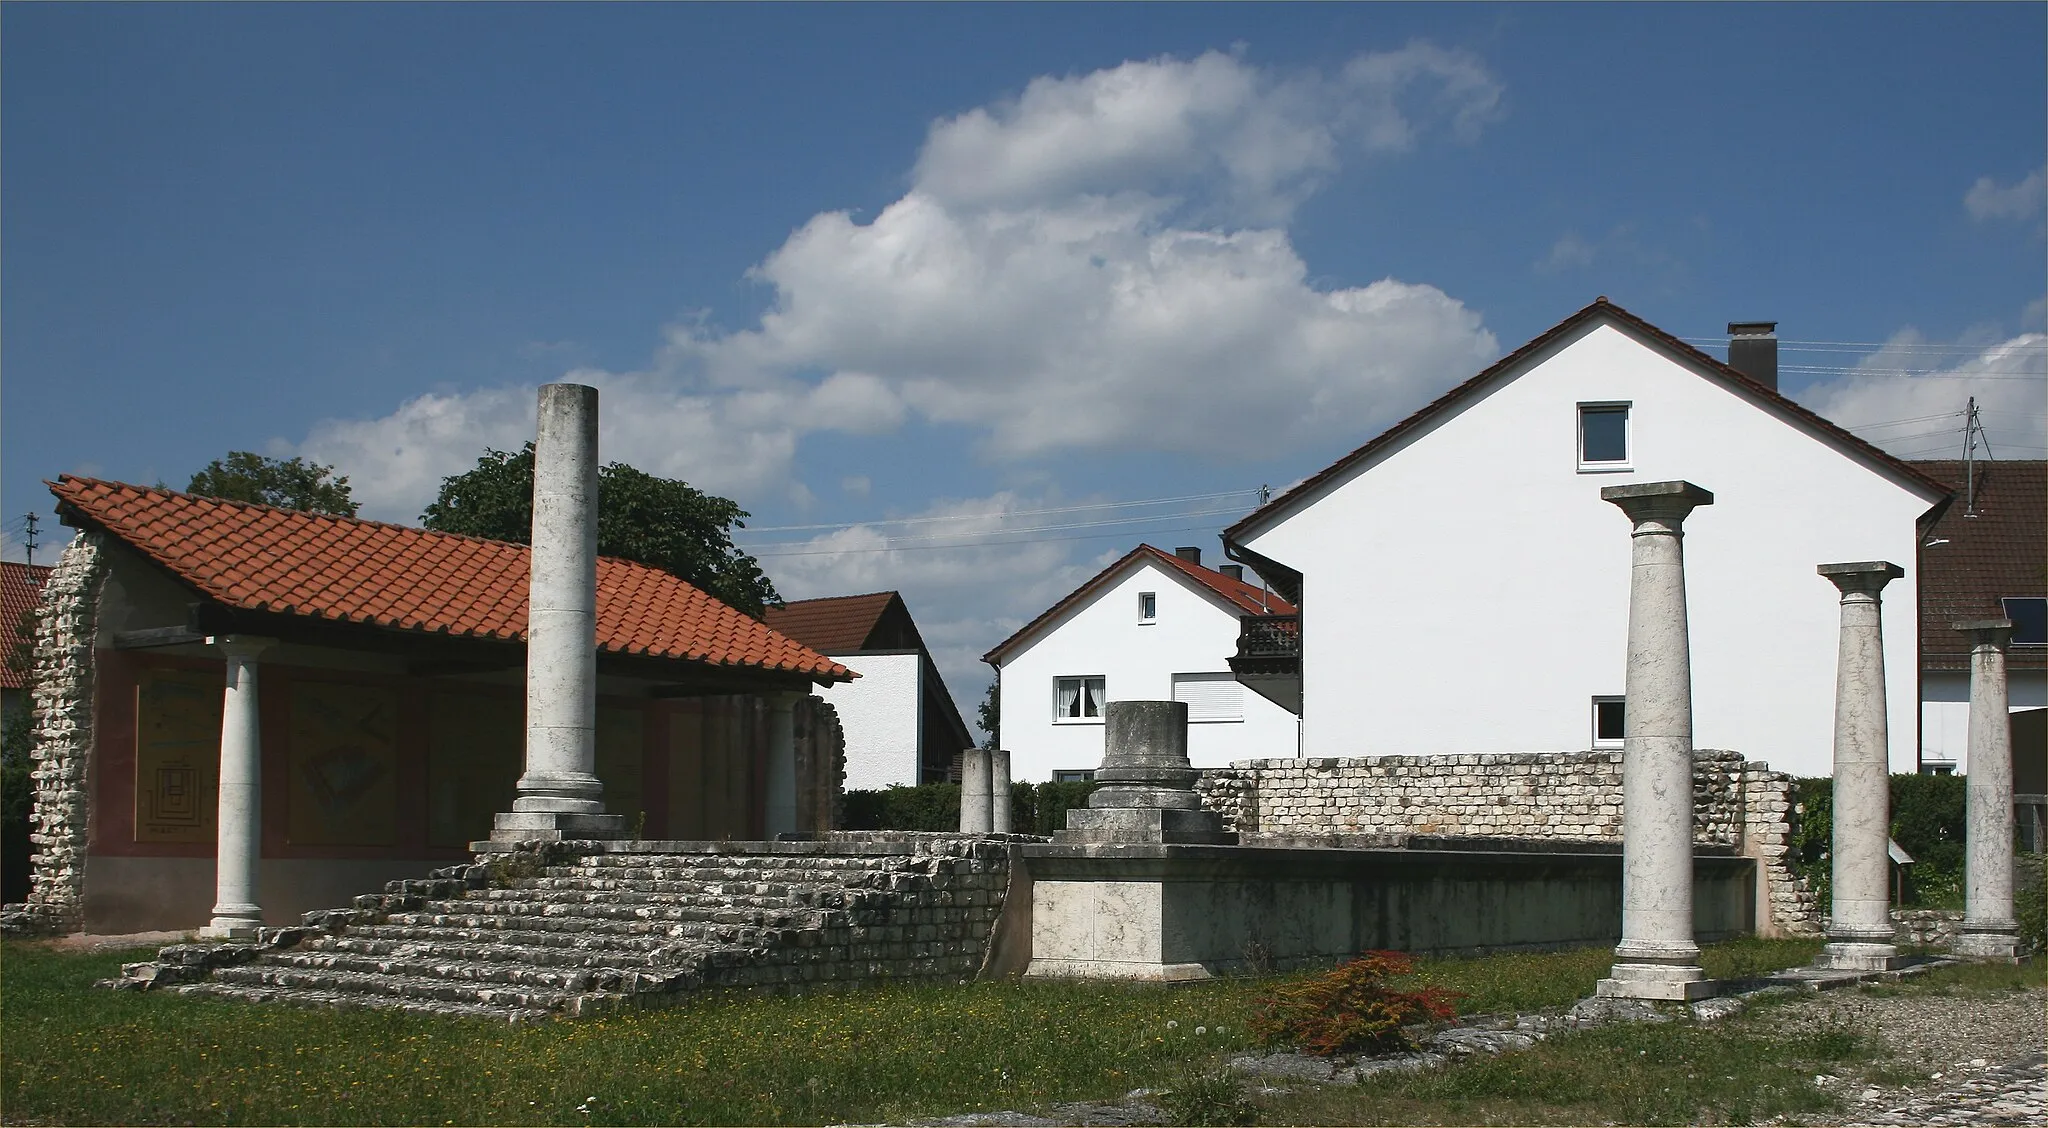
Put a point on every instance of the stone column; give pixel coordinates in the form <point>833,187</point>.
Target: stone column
<point>239,819</point>
<point>999,791</point>
<point>1989,929</point>
<point>1657,957</point>
<point>1860,923</point>
<point>1147,793</point>
<point>780,778</point>
<point>560,795</point>
<point>975,788</point>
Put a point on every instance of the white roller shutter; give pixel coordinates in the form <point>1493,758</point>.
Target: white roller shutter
<point>1210,697</point>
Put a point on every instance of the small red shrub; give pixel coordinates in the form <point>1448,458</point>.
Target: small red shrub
<point>1349,1009</point>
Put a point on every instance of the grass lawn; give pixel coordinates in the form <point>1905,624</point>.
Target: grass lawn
<point>72,1054</point>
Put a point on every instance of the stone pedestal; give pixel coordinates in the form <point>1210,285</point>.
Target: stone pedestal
<point>559,793</point>
<point>999,791</point>
<point>1657,957</point>
<point>974,791</point>
<point>1989,929</point>
<point>1147,784</point>
<point>239,820</point>
<point>1860,925</point>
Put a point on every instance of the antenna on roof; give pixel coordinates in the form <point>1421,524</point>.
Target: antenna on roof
<point>28,540</point>
<point>1973,430</point>
<point>1265,493</point>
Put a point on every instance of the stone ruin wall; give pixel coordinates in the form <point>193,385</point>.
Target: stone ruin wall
<point>63,703</point>
<point>1565,796</point>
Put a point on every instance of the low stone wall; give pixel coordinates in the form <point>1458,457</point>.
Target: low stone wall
<point>1926,928</point>
<point>1568,796</point>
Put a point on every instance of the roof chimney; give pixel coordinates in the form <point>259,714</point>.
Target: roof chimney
<point>1234,571</point>
<point>1189,553</point>
<point>1753,351</point>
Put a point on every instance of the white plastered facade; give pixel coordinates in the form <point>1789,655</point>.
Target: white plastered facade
<point>1945,712</point>
<point>879,714</point>
<point>1193,631</point>
<point>1466,590</point>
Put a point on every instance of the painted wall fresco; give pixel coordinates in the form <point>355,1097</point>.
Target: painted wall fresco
<point>177,755</point>
<point>344,765</point>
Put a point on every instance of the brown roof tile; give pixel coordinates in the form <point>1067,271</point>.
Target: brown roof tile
<point>838,624</point>
<point>1249,599</point>
<point>258,558</point>
<point>21,589</point>
<point>1968,563</point>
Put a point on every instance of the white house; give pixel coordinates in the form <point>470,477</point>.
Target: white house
<point>1983,559</point>
<point>1464,589</point>
<point>1152,626</point>
<point>899,720</point>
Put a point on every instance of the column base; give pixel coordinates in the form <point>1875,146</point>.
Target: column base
<point>1987,944</point>
<point>1678,983</point>
<point>1143,825</point>
<point>1860,955</point>
<point>555,826</point>
<point>239,929</point>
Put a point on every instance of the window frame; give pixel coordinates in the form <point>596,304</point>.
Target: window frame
<point>1624,408</point>
<point>1148,608</point>
<point>1600,699</point>
<point>1059,681</point>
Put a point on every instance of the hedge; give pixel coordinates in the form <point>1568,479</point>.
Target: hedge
<point>1928,819</point>
<point>1035,808</point>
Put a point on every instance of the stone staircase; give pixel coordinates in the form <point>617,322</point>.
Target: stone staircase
<point>580,928</point>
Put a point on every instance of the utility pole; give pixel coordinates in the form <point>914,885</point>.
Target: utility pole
<point>28,540</point>
<point>1973,430</point>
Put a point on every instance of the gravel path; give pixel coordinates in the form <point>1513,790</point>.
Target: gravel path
<point>1984,1055</point>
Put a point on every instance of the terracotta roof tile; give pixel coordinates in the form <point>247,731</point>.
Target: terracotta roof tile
<point>21,589</point>
<point>258,558</point>
<point>1249,599</point>
<point>836,624</point>
<point>1967,564</point>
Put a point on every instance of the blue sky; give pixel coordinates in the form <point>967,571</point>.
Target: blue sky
<point>978,266</point>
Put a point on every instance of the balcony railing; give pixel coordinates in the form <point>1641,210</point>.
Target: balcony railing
<point>1269,636</point>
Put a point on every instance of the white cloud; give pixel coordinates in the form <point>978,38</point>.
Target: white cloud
<point>856,485</point>
<point>1570,252</point>
<point>1988,199</point>
<point>1921,415</point>
<point>1082,267</point>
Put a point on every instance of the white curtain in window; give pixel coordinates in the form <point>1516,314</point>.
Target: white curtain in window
<point>1094,697</point>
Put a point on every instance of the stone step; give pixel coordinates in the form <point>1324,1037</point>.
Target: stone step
<point>556,894</point>
<point>339,1000</point>
<point>420,988</point>
<point>444,948</point>
<point>543,931</point>
<point>596,912</point>
<point>739,878</point>
<point>572,980</point>
<point>755,862</point>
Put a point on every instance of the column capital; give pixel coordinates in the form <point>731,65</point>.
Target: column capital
<point>1995,633</point>
<point>1657,501</point>
<point>241,646</point>
<point>1865,576</point>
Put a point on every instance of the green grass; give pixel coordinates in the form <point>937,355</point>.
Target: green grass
<point>72,1054</point>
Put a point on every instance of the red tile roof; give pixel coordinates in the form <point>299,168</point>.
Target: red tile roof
<point>1248,599</point>
<point>836,624</point>
<point>1600,307</point>
<point>258,558</point>
<point>1968,563</point>
<point>21,589</point>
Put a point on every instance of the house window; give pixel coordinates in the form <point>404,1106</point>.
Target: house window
<point>1210,697</point>
<point>1077,701</point>
<point>1072,775</point>
<point>1610,715</point>
<point>1603,436</point>
<point>1148,606</point>
<point>2029,615</point>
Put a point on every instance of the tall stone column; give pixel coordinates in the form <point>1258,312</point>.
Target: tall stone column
<point>239,818</point>
<point>1860,923</point>
<point>1657,957</point>
<point>1989,929</point>
<point>781,774</point>
<point>559,794</point>
<point>975,789</point>
<point>999,791</point>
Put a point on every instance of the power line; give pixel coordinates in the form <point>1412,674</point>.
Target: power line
<point>999,514</point>
<point>1786,344</point>
<point>1021,532</point>
<point>974,544</point>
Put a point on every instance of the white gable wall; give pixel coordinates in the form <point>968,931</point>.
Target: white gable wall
<point>1468,592</point>
<point>1103,637</point>
<point>879,714</point>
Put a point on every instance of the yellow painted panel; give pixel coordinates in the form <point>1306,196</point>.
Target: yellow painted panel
<point>177,755</point>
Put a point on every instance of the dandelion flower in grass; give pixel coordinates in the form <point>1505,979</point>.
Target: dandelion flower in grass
<point>1172,1025</point>
<point>1201,1030</point>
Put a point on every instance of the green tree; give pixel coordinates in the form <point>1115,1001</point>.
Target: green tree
<point>991,716</point>
<point>288,483</point>
<point>659,522</point>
